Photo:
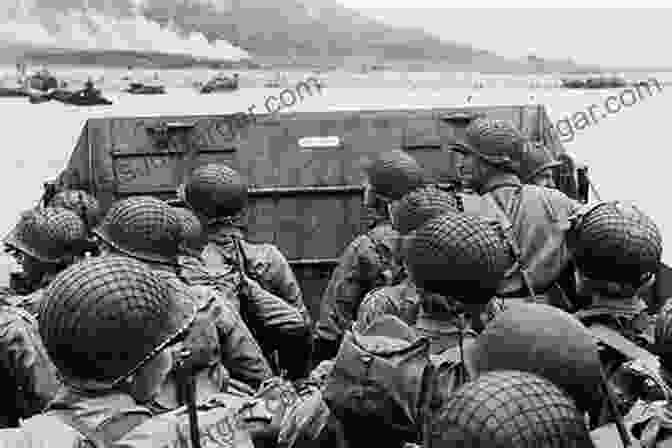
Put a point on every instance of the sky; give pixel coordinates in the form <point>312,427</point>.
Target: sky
<point>620,37</point>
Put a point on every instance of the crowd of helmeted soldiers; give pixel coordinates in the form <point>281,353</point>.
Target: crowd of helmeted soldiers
<point>512,316</point>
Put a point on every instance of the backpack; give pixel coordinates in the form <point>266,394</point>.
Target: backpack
<point>382,372</point>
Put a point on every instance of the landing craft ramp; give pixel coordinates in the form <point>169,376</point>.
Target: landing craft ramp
<point>304,168</point>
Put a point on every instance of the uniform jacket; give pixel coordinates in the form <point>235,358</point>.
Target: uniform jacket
<point>29,378</point>
<point>538,225</point>
<point>370,261</point>
<point>241,354</point>
<point>110,416</point>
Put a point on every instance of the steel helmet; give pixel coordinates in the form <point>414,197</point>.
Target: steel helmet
<point>142,227</point>
<point>393,174</point>
<point>615,241</point>
<point>50,235</point>
<point>508,409</point>
<point>106,317</point>
<point>546,341</point>
<point>421,205</point>
<point>80,202</point>
<point>215,191</point>
<point>497,142</point>
<point>458,255</point>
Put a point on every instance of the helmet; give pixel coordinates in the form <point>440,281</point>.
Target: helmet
<point>142,227</point>
<point>394,173</point>
<point>536,159</point>
<point>80,202</point>
<point>615,241</point>
<point>508,409</point>
<point>215,190</point>
<point>50,235</point>
<point>106,317</point>
<point>421,205</point>
<point>498,142</point>
<point>546,341</point>
<point>458,255</point>
<point>192,230</point>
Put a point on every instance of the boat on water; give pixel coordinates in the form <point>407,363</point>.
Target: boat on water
<point>13,92</point>
<point>139,88</point>
<point>43,81</point>
<point>595,82</point>
<point>220,83</point>
<point>88,96</point>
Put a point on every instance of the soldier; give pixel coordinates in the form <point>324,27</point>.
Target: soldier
<point>80,202</point>
<point>458,260</point>
<point>45,241</point>
<point>280,319</point>
<point>28,378</point>
<point>404,300</point>
<point>107,323</point>
<point>617,251</point>
<point>534,219</point>
<point>226,415</point>
<point>371,260</point>
<point>508,409</point>
<point>538,166</point>
<point>147,229</point>
<point>545,341</point>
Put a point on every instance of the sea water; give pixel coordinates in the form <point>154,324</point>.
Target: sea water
<point>626,150</point>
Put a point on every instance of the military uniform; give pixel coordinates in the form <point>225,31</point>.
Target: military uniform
<point>117,297</point>
<point>29,378</point>
<point>534,219</point>
<point>273,305</point>
<point>372,260</point>
<point>277,415</point>
<point>537,166</point>
<point>122,229</point>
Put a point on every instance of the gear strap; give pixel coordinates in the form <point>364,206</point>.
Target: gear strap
<point>506,227</point>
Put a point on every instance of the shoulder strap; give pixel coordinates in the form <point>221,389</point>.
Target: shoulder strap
<point>91,435</point>
<point>506,228</point>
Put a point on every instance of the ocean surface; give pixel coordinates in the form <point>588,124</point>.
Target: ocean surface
<point>625,147</point>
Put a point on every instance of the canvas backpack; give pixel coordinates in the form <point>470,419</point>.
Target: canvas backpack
<point>382,372</point>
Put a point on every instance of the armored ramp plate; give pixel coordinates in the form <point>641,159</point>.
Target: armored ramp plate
<point>304,168</point>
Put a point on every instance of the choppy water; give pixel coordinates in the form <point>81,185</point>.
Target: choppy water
<point>626,150</point>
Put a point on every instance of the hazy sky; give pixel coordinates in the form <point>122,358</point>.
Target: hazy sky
<point>632,37</point>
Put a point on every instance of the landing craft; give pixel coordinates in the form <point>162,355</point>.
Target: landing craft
<point>304,168</point>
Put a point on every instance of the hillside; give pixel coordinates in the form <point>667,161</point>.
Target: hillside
<point>315,32</point>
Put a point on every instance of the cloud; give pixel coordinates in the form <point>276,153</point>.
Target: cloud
<point>24,22</point>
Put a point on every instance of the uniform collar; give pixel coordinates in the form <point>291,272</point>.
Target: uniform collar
<point>501,180</point>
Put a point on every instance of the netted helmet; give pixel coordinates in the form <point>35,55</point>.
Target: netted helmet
<point>421,205</point>
<point>458,255</point>
<point>192,230</point>
<point>536,159</point>
<point>142,227</point>
<point>80,202</point>
<point>546,341</point>
<point>215,190</point>
<point>106,317</point>
<point>393,174</point>
<point>50,235</point>
<point>508,409</point>
<point>615,241</point>
<point>498,142</point>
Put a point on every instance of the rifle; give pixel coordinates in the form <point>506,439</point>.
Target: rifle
<point>186,388</point>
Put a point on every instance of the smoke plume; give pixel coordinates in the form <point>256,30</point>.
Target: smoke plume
<point>79,26</point>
